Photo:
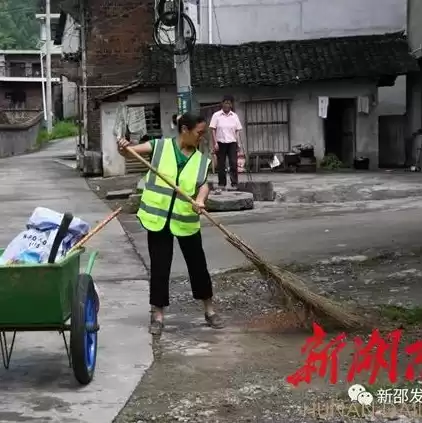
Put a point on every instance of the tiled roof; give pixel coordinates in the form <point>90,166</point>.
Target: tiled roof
<point>277,63</point>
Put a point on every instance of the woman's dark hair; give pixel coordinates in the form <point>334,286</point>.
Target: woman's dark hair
<point>189,120</point>
<point>228,98</point>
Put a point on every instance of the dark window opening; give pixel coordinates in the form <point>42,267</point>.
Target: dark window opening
<point>17,99</point>
<point>36,70</point>
<point>17,70</point>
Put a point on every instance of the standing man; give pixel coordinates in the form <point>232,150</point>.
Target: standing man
<point>225,126</point>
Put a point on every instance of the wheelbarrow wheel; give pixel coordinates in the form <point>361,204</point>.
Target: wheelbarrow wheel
<point>83,332</point>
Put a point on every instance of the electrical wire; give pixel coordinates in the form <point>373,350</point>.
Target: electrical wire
<point>216,23</point>
<point>170,46</point>
<point>166,23</point>
<point>171,19</point>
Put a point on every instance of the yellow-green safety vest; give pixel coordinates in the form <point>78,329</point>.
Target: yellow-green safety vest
<point>157,196</point>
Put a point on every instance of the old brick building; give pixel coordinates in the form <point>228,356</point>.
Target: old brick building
<point>21,80</point>
<point>112,35</point>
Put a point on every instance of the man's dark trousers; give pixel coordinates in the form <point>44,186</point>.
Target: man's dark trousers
<point>229,150</point>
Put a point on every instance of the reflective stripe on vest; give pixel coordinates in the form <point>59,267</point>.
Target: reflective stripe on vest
<point>164,213</point>
<point>157,196</point>
<point>151,179</point>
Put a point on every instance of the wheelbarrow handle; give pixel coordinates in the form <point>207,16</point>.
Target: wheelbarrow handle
<point>61,233</point>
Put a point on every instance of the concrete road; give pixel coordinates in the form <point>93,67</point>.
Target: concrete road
<point>39,386</point>
<point>297,234</point>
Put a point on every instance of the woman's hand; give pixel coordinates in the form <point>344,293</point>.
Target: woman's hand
<point>198,206</point>
<point>123,143</point>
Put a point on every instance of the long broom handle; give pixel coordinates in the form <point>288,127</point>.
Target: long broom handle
<point>94,231</point>
<point>179,191</point>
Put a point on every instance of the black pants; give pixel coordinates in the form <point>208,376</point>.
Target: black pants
<point>227,150</point>
<point>160,246</point>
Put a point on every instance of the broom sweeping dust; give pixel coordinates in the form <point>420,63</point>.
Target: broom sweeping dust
<point>293,288</point>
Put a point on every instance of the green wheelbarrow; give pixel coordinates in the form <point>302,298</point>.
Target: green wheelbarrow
<point>54,296</point>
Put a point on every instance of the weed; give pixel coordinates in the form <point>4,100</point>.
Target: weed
<point>409,316</point>
<point>331,162</point>
<point>61,129</point>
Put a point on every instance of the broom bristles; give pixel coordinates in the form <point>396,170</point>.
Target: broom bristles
<point>286,281</point>
<point>294,286</point>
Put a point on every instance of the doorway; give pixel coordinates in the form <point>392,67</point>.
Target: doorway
<point>340,129</point>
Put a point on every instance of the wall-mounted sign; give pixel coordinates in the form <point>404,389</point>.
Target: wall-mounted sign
<point>323,107</point>
<point>184,101</point>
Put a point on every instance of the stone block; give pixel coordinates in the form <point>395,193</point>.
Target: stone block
<point>261,190</point>
<point>120,194</point>
<point>91,163</point>
<point>230,201</point>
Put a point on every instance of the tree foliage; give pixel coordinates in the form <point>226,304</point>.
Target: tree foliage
<point>19,29</point>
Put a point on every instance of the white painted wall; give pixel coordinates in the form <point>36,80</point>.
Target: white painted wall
<point>70,98</point>
<point>113,162</point>
<point>305,125</point>
<point>239,21</point>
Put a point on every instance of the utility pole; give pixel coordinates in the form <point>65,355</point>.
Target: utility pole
<point>84,91</point>
<point>48,65</point>
<point>182,64</point>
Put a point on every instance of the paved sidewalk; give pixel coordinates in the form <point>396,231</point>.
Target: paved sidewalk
<point>39,386</point>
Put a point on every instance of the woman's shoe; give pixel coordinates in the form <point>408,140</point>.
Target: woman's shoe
<point>214,320</point>
<point>156,327</point>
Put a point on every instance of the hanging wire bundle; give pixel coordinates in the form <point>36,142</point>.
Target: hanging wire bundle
<point>174,30</point>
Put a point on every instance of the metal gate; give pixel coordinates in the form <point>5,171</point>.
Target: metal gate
<point>267,126</point>
<point>391,141</point>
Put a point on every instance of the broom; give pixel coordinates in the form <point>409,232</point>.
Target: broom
<point>289,283</point>
<point>94,231</point>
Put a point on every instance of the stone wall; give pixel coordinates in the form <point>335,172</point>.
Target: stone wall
<point>20,135</point>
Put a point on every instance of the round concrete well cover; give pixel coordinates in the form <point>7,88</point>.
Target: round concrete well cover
<point>230,201</point>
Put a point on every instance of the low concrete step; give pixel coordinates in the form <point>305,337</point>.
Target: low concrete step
<point>120,194</point>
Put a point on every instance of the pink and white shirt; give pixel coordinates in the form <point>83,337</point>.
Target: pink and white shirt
<point>226,126</point>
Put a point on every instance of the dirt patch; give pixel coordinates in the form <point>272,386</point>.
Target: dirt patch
<point>239,374</point>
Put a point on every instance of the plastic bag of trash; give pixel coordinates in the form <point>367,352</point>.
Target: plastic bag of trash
<point>27,247</point>
<point>34,244</point>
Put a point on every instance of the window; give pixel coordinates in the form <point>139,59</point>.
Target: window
<point>17,99</point>
<point>17,69</point>
<point>36,70</point>
<point>147,116</point>
<point>208,109</point>
<point>267,126</point>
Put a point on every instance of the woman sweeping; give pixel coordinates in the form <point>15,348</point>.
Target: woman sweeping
<point>165,215</point>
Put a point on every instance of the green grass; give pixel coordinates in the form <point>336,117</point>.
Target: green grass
<point>331,162</point>
<point>61,129</point>
<point>409,316</point>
